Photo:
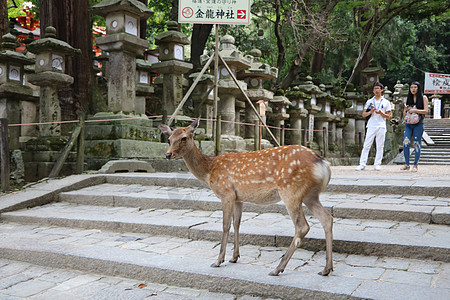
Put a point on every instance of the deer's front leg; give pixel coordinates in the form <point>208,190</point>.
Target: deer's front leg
<point>237,214</point>
<point>227,207</point>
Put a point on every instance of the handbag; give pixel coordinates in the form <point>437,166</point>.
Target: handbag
<point>412,118</point>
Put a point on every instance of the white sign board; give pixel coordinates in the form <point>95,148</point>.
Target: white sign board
<point>236,12</point>
<point>437,83</point>
<point>436,108</point>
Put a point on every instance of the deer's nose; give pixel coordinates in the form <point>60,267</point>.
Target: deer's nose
<point>168,155</point>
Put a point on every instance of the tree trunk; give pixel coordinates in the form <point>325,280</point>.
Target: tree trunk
<point>4,22</point>
<point>317,62</point>
<point>73,25</point>
<point>296,64</point>
<point>281,60</point>
<point>200,34</point>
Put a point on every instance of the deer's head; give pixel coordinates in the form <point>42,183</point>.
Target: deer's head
<point>181,140</point>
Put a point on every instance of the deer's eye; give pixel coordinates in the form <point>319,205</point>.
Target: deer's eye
<point>183,139</point>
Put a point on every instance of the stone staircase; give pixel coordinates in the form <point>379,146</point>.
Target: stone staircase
<point>439,152</point>
<point>391,236</point>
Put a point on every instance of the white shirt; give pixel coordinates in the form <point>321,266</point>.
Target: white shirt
<point>376,120</point>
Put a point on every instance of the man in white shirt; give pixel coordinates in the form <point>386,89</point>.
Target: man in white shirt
<point>380,111</point>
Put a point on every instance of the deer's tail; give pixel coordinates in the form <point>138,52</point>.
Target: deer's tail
<point>322,172</point>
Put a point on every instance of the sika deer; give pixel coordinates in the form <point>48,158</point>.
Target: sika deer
<point>294,174</point>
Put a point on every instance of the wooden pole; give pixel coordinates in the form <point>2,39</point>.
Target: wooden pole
<point>257,139</point>
<point>65,153</point>
<point>216,85</point>
<point>4,153</point>
<point>218,134</point>
<point>80,148</point>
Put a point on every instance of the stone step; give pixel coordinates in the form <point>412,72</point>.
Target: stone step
<point>424,209</point>
<point>355,236</point>
<point>363,184</point>
<point>186,263</point>
<point>442,163</point>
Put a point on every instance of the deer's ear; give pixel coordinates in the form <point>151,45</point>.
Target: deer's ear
<point>195,124</point>
<point>165,129</point>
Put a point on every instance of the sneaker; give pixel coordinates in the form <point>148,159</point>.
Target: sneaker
<point>360,168</point>
<point>377,168</point>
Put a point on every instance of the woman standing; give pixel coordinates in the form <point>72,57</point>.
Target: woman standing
<point>416,103</point>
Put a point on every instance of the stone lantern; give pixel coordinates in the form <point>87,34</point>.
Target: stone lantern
<point>203,98</point>
<point>397,100</point>
<point>339,105</point>
<point>351,113</point>
<point>228,91</point>
<point>279,114</point>
<point>123,44</point>
<point>311,89</point>
<point>372,74</point>
<point>255,77</point>
<point>12,88</point>
<point>144,86</point>
<point>360,121</point>
<point>49,67</point>
<point>172,65</point>
<point>297,113</point>
<point>323,118</point>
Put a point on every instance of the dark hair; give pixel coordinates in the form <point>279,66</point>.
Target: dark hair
<point>419,97</point>
<point>378,84</point>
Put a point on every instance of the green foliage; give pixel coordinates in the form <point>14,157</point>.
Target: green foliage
<point>406,49</point>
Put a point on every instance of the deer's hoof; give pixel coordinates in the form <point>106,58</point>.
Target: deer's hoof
<point>325,272</point>
<point>215,265</point>
<point>272,274</point>
<point>275,272</point>
<point>234,260</point>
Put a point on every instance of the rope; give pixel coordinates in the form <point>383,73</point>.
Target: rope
<point>175,117</point>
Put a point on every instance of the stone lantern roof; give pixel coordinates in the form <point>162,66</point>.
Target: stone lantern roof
<point>9,54</point>
<point>373,68</point>
<point>280,100</point>
<point>172,35</point>
<point>50,43</point>
<point>231,55</point>
<point>257,68</point>
<point>309,87</point>
<point>133,6</point>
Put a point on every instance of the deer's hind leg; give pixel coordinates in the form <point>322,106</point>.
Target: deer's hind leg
<point>326,219</point>
<point>237,215</point>
<point>295,209</point>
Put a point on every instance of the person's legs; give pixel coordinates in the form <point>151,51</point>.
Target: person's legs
<point>407,142</point>
<point>368,141</point>
<point>380,138</point>
<point>417,136</point>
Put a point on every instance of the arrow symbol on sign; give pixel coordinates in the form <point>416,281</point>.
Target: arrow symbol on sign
<point>241,14</point>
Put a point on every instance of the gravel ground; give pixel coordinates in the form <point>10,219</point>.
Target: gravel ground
<point>394,170</point>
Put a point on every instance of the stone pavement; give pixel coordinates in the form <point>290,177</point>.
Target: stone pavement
<point>112,233</point>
